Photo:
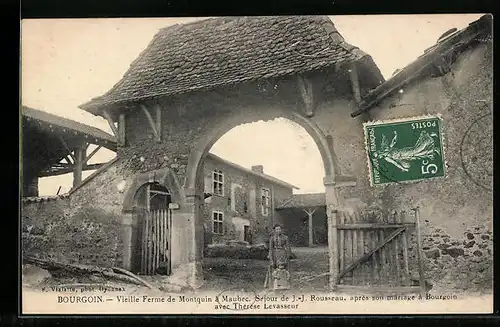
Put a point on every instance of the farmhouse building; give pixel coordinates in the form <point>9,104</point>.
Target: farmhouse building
<point>241,202</point>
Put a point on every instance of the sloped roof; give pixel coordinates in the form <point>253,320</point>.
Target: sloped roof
<point>304,201</point>
<point>101,137</point>
<point>449,46</point>
<point>223,51</point>
<point>251,172</point>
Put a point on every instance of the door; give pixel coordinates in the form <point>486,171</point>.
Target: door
<point>156,232</point>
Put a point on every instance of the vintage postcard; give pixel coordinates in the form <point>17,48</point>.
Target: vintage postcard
<point>257,165</point>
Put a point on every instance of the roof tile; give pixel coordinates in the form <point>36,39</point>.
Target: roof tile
<point>222,51</point>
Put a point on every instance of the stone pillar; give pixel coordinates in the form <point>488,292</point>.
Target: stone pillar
<point>187,247</point>
<point>332,203</point>
<point>128,225</point>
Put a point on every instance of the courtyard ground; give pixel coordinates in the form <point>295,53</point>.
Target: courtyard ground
<point>249,275</point>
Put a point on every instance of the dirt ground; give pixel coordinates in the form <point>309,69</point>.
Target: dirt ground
<point>308,273</point>
<point>248,275</point>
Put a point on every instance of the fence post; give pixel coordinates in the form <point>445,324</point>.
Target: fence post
<point>333,247</point>
<point>419,253</point>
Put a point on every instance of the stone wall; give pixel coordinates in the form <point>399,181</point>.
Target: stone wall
<point>464,197</point>
<point>463,262</point>
<point>86,235</point>
<point>458,209</point>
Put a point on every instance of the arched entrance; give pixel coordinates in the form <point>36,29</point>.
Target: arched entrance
<point>194,184</point>
<point>151,252</point>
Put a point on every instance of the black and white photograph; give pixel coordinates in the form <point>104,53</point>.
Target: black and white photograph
<point>257,165</point>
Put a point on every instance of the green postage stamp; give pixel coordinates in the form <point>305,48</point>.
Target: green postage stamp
<point>405,150</point>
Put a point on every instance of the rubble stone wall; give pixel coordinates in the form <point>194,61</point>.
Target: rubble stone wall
<point>52,230</point>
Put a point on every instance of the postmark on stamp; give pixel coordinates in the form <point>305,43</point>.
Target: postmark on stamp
<point>404,150</point>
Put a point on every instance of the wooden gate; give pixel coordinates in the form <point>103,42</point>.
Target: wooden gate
<point>374,252</point>
<point>156,245</point>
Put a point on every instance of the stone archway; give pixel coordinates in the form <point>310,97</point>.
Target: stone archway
<point>201,149</point>
<point>131,208</point>
<point>194,180</point>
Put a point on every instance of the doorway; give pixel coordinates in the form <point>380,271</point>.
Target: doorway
<point>153,232</point>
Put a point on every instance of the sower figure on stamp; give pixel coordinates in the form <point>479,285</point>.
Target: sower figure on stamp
<point>279,256</point>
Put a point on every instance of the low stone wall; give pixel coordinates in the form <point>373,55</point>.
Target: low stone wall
<point>52,230</point>
<point>464,263</point>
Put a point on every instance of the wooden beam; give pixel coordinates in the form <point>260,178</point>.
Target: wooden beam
<point>152,123</point>
<point>86,146</point>
<point>65,145</point>
<point>158,121</point>
<point>78,166</point>
<point>310,225</point>
<point>69,158</point>
<point>111,123</point>
<point>66,170</point>
<point>374,226</point>
<point>354,78</point>
<point>306,92</point>
<point>61,165</point>
<point>121,127</point>
<point>369,254</point>
<point>332,247</point>
<point>92,154</point>
<point>419,252</point>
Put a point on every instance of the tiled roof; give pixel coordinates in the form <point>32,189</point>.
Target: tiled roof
<point>223,51</point>
<point>107,140</point>
<point>448,47</point>
<point>249,171</point>
<point>304,201</point>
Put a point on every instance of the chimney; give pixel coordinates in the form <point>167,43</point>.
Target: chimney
<point>258,169</point>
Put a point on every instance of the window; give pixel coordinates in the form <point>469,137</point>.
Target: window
<point>245,207</point>
<point>218,218</point>
<point>218,183</point>
<point>265,201</point>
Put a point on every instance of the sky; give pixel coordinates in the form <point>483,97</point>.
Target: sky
<point>66,62</point>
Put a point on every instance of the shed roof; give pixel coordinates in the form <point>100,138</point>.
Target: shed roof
<point>308,200</point>
<point>228,50</point>
<point>70,126</point>
<point>447,47</point>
